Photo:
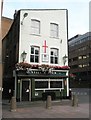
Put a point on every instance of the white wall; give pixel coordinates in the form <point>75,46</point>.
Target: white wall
<point>45,17</point>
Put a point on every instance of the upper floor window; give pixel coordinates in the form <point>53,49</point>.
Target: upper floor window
<point>34,56</point>
<point>35,26</point>
<point>54,30</point>
<point>54,56</point>
<point>80,57</point>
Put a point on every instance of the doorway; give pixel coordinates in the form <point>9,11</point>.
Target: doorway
<point>26,90</point>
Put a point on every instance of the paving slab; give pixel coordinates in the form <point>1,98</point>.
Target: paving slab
<point>59,109</point>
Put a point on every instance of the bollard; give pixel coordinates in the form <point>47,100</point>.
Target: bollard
<point>48,102</point>
<point>74,100</point>
<point>70,94</point>
<point>13,104</point>
<point>71,98</point>
<point>61,95</point>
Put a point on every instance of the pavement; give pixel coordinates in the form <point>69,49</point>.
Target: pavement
<point>37,109</point>
<point>59,109</point>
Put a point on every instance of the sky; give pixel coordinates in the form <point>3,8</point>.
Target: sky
<point>78,11</point>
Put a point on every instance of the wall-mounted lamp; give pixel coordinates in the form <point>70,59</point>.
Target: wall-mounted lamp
<point>24,55</point>
<point>25,15</point>
<point>65,59</point>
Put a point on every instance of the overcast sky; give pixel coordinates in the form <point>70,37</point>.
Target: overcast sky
<point>78,11</point>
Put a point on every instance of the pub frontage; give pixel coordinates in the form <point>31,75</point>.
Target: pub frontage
<point>35,55</point>
<point>36,82</point>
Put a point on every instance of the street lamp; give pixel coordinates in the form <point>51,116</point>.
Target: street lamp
<point>25,15</point>
<point>24,55</point>
<point>65,59</point>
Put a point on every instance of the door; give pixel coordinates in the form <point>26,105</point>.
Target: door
<point>25,91</point>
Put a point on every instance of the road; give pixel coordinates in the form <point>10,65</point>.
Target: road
<point>83,94</point>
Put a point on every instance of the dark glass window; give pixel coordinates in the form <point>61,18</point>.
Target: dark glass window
<point>36,52</point>
<point>56,60</point>
<point>36,59</point>
<point>55,84</point>
<point>32,50</point>
<point>54,56</point>
<point>41,84</point>
<point>51,59</point>
<point>34,56</point>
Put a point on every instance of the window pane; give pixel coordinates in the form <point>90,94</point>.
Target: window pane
<point>54,56</point>
<point>31,58</point>
<point>41,84</point>
<point>36,59</point>
<point>55,84</point>
<point>37,23</point>
<point>84,56</point>
<point>54,30</point>
<point>36,52</point>
<point>56,52</point>
<point>51,59</point>
<point>32,50</point>
<point>56,60</point>
<point>51,52</point>
<point>52,34</point>
<point>35,31</point>
<point>35,27</point>
<point>80,57</point>
<point>32,23</point>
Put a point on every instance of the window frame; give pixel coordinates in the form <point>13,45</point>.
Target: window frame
<point>33,54</point>
<point>34,28</point>
<point>54,56</point>
<point>54,33</point>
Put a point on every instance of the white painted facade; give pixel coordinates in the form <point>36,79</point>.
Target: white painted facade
<point>27,39</point>
<point>46,18</point>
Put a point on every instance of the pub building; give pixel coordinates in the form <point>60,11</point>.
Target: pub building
<point>36,55</point>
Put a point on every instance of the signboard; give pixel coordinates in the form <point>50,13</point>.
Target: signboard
<point>45,58</point>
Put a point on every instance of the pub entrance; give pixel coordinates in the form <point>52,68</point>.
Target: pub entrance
<point>26,90</point>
